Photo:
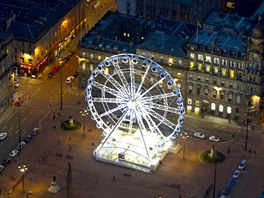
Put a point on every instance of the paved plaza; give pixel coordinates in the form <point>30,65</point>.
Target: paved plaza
<point>50,152</point>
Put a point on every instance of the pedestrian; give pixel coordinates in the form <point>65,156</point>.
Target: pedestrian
<point>27,195</point>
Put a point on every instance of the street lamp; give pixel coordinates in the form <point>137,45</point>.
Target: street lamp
<point>23,170</point>
<point>84,113</point>
<point>184,136</point>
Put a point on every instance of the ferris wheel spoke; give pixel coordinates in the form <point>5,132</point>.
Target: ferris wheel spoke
<point>162,107</point>
<point>142,128</point>
<point>132,77</point>
<point>142,80</point>
<point>107,89</point>
<point>122,77</point>
<point>149,89</point>
<point>150,122</point>
<point>118,108</point>
<point>160,118</point>
<point>117,85</point>
<point>158,96</point>
<point>110,100</point>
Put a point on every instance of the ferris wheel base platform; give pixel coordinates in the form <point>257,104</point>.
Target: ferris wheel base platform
<point>148,168</point>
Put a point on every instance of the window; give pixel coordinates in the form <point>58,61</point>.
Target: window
<point>240,66</point>
<point>189,101</point>
<point>99,57</point>
<point>208,59</point>
<point>83,54</point>
<point>223,83</point>
<point>216,70</point>
<point>30,61</point>
<point>191,55</point>
<point>198,91</point>
<point>199,78</point>
<point>238,98</point>
<point>91,67</point>
<point>197,103</point>
<point>229,110</point>
<point>191,64</point>
<point>232,64</point>
<point>206,91</point>
<point>231,85</point>
<point>91,56</point>
<point>232,73</point>
<point>222,95</point>
<point>200,66</point>
<point>221,108</point>
<point>216,61</point>
<point>190,88</point>
<point>223,71</point>
<point>213,106</point>
<point>230,97</point>
<point>106,70</point>
<point>224,62</point>
<point>214,93</point>
<point>191,76</point>
<point>200,57</point>
<point>180,62</point>
<point>207,80</point>
<point>208,68</point>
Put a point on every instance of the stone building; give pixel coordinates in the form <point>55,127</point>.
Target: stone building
<point>218,66</point>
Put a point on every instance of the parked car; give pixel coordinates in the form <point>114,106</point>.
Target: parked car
<point>69,79</point>
<point>3,136</point>
<point>231,183</point>
<point>51,74</point>
<point>22,145</point>
<point>7,161</point>
<point>214,138</point>
<point>226,190</point>
<point>199,135</point>
<point>2,167</point>
<point>13,153</point>
<point>55,69</point>
<point>35,131</point>
<point>28,138</point>
<point>236,174</point>
<point>242,165</point>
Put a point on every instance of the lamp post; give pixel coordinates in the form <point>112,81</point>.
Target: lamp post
<point>84,113</point>
<point>23,168</point>
<point>184,137</point>
<point>246,141</point>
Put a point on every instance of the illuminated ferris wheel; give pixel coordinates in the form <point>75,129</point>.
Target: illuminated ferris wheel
<point>139,107</point>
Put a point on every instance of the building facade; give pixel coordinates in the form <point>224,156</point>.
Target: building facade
<point>219,67</point>
<point>187,11</point>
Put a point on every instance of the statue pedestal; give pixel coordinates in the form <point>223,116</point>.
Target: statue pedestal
<point>54,188</point>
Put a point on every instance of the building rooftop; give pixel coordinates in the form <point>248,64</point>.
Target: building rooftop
<point>29,20</point>
<point>126,33</point>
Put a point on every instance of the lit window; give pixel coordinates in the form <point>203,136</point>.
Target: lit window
<point>200,66</point>
<point>208,59</point>
<point>91,67</point>
<point>206,91</point>
<point>192,55</point>
<point>180,62</point>
<point>213,106</point>
<point>208,68</point>
<point>216,70</point>
<point>191,64</point>
<point>99,57</point>
<point>221,108</point>
<point>232,73</point>
<point>128,35</point>
<point>189,101</point>
<point>200,57</point>
<point>83,54</point>
<point>91,56</point>
<point>170,61</point>
<point>179,75</point>
<point>223,71</point>
<point>229,110</point>
<point>106,70</point>
<point>197,103</point>
<point>224,62</point>
<point>230,5</point>
<point>124,34</point>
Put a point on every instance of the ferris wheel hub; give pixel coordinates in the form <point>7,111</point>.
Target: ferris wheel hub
<point>132,104</point>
